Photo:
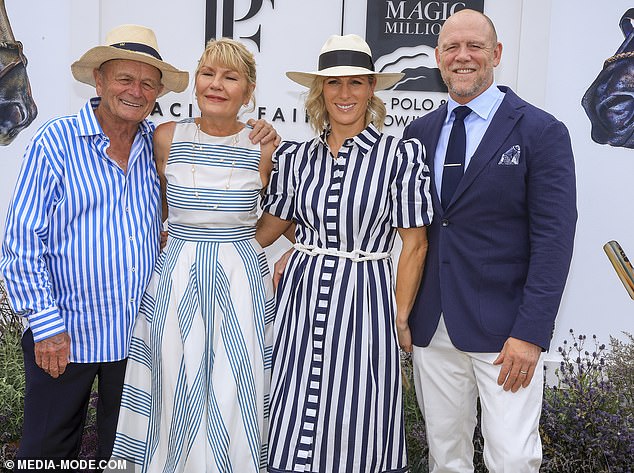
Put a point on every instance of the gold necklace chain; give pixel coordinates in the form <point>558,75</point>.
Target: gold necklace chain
<point>198,146</point>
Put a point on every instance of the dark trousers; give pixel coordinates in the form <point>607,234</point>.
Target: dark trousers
<point>55,408</point>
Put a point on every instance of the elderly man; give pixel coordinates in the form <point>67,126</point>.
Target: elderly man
<point>82,236</point>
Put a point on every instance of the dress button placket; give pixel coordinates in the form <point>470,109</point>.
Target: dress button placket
<point>305,445</point>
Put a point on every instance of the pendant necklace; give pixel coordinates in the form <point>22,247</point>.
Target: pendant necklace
<point>197,145</point>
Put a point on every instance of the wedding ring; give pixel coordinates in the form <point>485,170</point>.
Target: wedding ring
<point>523,372</point>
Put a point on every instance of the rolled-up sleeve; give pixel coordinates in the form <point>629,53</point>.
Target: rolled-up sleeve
<point>411,200</point>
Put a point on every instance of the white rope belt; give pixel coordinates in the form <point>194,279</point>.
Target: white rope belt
<point>355,255</point>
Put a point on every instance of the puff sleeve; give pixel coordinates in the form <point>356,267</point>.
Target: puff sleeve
<point>409,189</point>
<point>279,199</point>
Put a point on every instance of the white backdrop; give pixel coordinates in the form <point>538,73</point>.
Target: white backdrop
<point>552,52</point>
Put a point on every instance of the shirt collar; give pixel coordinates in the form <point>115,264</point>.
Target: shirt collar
<point>364,140</point>
<point>482,105</point>
<point>88,125</point>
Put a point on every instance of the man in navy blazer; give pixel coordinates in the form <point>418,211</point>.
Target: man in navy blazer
<point>497,262</point>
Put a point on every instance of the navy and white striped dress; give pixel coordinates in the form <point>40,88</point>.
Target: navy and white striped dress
<point>336,384</point>
<point>195,397</point>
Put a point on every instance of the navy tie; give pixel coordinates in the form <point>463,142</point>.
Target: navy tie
<point>453,168</point>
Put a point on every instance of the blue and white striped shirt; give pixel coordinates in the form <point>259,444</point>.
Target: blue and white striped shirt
<point>82,236</point>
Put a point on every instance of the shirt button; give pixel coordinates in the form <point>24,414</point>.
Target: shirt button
<point>444,222</point>
<point>133,269</point>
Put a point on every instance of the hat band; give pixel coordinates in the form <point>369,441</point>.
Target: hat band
<point>138,48</point>
<point>343,57</point>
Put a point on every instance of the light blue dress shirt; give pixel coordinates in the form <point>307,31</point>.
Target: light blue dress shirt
<point>483,109</point>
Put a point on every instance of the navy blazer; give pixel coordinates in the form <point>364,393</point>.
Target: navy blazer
<point>499,255</point>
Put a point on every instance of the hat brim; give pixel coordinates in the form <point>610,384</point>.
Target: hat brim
<point>384,80</point>
<point>173,80</point>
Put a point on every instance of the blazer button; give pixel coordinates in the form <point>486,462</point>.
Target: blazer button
<point>444,222</point>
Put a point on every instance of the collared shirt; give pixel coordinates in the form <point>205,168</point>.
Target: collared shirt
<point>82,236</point>
<point>476,123</point>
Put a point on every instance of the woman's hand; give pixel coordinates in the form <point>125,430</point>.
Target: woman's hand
<point>263,132</point>
<point>280,266</point>
<point>404,335</point>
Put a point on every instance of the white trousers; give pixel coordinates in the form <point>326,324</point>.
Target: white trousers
<point>448,383</point>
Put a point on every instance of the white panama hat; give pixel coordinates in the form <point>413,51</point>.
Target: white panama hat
<point>347,55</point>
<point>134,43</point>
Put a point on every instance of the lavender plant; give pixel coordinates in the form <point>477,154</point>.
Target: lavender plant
<point>587,422</point>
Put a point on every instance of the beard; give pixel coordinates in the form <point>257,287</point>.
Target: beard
<point>471,88</point>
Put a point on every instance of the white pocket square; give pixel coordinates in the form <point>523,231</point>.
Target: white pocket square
<point>510,157</point>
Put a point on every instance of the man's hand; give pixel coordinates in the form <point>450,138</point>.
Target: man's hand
<point>518,359</point>
<point>263,132</point>
<point>52,354</point>
<point>280,266</point>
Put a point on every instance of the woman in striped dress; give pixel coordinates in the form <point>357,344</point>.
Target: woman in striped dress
<point>336,386</point>
<point>195,396</point>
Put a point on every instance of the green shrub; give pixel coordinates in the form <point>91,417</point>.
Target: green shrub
<point>11,379</point>
<point>12,389</point>
<point>416,437</point>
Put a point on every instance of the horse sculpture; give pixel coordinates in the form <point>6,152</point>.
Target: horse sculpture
<point>17,108</point>
<point>609,101</point>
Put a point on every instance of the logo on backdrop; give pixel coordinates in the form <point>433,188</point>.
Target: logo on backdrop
<point>403,34</point>
<point>224,27</point>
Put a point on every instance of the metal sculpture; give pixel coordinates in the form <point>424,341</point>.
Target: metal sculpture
<point>17,108</point>
<point>609,101</point>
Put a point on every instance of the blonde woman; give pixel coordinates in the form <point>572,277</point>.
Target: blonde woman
<point>197,378</point>
<point>336,386</point>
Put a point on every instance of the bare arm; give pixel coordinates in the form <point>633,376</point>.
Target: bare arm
<point>290,232</point>
<point>266,162</point>
<point>408,277</point>
<point>163,136</point>
<point>269,228</point>
<point>280,264</point>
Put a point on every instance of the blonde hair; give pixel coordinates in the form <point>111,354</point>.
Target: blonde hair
<point>318,115</point>
<point>233,55</point>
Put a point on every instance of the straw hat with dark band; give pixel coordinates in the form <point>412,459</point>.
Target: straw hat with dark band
<point>134,43</point>
<point>347,55</point>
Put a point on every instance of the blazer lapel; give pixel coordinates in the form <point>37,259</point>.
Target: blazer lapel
<point>504,120</point>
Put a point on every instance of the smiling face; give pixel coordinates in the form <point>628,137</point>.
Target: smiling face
<point>346,99</point>
<point>221,91</point>
<point>128,91</point>
<point>466,54</point>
